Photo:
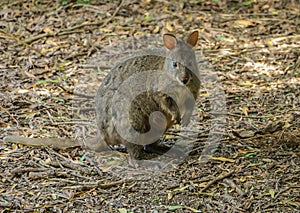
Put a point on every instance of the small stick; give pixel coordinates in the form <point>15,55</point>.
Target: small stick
<point>233,185</point>
<point>71,29</point>
<point>11,36</point>
<point>56,143</point>
<point>28,169</point>
<point>216,180</point>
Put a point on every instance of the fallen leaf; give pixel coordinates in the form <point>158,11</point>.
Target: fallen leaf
<point>181,188</point>
<point>48,160</point>
<point>172,208</point>
<point>47,30</point>
<point>170,196</point>
<point>243,23</point>
<point>156,30</point>
<point>192,209</point>
<point>244,151</point>
<point>245,110</point>
<point>272,193</point>
<point>169,27</point>
<point>267,160</point>
<point>122,210</point>
<point>23,91</point>
<point>295,204</point>
<point>223,159</point>
<point>243,179</point>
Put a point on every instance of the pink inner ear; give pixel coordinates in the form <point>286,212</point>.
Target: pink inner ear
<point>170,41</point>
<point>193,38</point>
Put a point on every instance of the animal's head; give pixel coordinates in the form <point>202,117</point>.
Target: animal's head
<point>180,57</point>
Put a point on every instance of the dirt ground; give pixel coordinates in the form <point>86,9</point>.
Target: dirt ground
<point>54,55</point>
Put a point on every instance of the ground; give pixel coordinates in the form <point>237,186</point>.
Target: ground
<point>54,55</point>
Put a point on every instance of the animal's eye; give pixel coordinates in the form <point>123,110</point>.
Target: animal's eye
<point>175,65</point>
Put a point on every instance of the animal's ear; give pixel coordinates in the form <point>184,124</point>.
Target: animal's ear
<point>170,41</point>
<point>193,38</point>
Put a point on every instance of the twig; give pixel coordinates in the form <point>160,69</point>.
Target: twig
<point>284,190</point>
<point>233,185</point>
<point>114,14</point>
<point>24,170</point>
<point>21,42</point>
<point>244,116</point>
<point>89,185</point>
<point>6,204</point>
<point>39,36</point>
<point>65,159</point>
<point>74,122</point>
<point>116,183</point>
<point>49,116</point>
<point>71,29</point>
<point>75,93</point>
<point>90,7</point>
<point>91,66</point>
<point>216,180</point>
<point>56,143</point>
<point>7,112</point>
<point>250,137</point>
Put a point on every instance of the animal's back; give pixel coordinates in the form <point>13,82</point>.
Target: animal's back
<point>112,82</point>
